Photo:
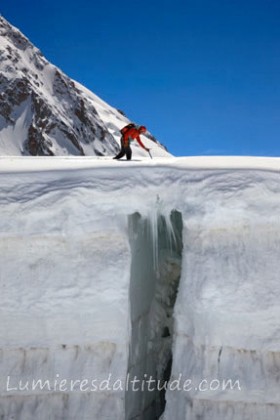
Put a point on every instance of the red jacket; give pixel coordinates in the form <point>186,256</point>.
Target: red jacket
<point>132,134</point>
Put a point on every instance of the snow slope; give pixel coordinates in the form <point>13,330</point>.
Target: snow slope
<point>44,112</point>
<point>93,254</point>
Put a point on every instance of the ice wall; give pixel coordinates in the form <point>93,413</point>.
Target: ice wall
<point>227,312</point>
<point>64,305</point>
<point>71,269</point>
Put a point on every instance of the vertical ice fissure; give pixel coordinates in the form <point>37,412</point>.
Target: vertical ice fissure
<point>156,246</point>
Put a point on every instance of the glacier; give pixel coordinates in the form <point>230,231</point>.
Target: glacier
<point>115,275</point>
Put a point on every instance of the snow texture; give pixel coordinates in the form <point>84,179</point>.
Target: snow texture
<point>85,283</point>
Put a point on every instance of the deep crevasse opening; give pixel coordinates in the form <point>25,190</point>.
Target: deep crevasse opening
<point>156,247</point>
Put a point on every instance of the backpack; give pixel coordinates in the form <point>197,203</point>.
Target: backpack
<point>127,127</point>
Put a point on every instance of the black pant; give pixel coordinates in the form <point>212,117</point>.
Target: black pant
<point>125,150</point>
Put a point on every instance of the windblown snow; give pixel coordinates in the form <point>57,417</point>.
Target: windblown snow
<point>145,271</point>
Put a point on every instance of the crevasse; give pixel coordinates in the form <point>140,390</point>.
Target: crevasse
<point>156,244</point>
<point>86,294</point>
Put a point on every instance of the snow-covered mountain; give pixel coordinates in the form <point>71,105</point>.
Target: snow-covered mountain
<point>114,277</point>
<point>44,112</point>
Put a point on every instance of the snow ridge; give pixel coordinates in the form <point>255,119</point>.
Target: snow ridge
<point>44,112</point>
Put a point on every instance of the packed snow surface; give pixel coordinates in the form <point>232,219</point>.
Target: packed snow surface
<point>68,285</point>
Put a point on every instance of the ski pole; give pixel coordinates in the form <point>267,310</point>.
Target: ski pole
<point>150,154</point>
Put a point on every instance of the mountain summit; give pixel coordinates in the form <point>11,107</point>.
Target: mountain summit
<point>44,112</point>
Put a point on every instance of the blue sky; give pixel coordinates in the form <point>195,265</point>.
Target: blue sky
<point>203,76</point>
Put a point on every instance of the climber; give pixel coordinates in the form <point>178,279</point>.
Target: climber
<point>130,132</point>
